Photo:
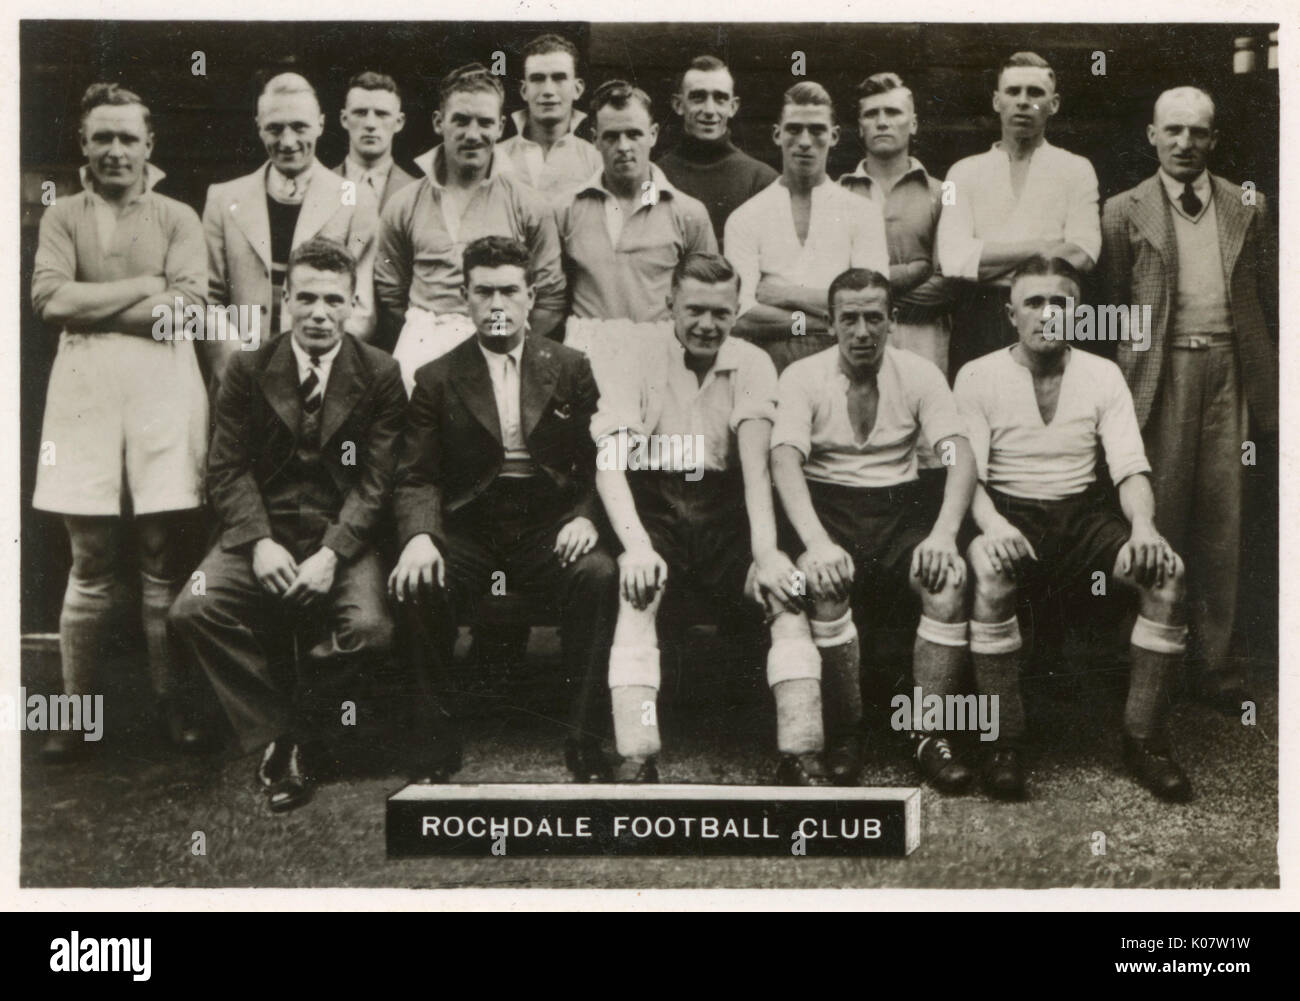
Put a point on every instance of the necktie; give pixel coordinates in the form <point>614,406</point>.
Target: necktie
<point>312,388</point>
<point>1191,204</point>
<point>510,397</point>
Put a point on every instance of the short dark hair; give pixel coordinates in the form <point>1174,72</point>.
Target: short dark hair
<point>705,64</point>
<point>469,79</point>
<point>1040,265</point>
<point>807,93</point>
<point>712,269</point>
<point>496,252</point>
<point>370,80</point>
<point>617,94</point>
<point>855,280</point>
<point>1030,59</point>
<point>882,83</point>
<point>323,254</point>
<point>544,45</point>
<point>110,93</point>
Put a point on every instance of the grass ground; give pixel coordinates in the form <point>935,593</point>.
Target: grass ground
<point>126,817</point>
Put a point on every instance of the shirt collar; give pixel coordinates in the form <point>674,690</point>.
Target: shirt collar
<point>495,358</point>
<point>726,360</point>
<point>281,188</point>
<point>659,185</point>
<point>997,147</point>
<point>430,161</point>
<point>914,168</point>
<point>1200,186</point>
<point>152,175</point>
<point>304,359</point>
<point>354,169</point>
<point>520,119</point>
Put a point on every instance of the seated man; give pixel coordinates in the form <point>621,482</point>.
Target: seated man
<point>706,401</point>
<point>1037,412</point>
<point>495,477</point>
<point>844,463</point>
<point>300,469</point>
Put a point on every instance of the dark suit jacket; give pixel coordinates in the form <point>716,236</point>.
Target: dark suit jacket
<point>1140,265</point>
<point>258,412</point>
<point>451,448</point>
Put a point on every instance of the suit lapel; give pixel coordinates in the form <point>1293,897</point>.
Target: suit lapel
<point>322,200</point>
<point>248,210</point>
<point>279,382</point>
<point>536,384</point>
<point>1233,220</point>
<point>473,383</point>
<point>1154,220</point>
<point>343,390</point>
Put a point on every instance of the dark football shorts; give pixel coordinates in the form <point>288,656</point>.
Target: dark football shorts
<point>1073,538</point>
<point>878,526</point>
<point>700,529</point>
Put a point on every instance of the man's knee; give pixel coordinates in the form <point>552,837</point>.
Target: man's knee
<point>991,587</point>
<point>366,631</point>
<point>949,603</point>
<point>595,573</point>
<point>829,609</point>
<point>187,611</point>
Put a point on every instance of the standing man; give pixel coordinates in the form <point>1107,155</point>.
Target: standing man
<point>465,195</point>
<point>300,472</point>
<point>844,464</point>
<point>546,151</point>
<point>1023,198</point>
<point>709,400</point>
<point>911,201</point>
<point>496,477</point>
<point>706,164</point>
<point>254,222</point>
<point>1204,258</point>
<point>126,412</point>
<point>372,115</point>
<point>1039,414</point>
<point>790,240</point>
<point>623,233</point>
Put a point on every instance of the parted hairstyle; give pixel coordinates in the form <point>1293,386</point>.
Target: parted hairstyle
<point>1040,265</point>
<point>323,254</point>
<point>110,93</point>
<point>496,252</point>
<point>469,79</point>
<point>704,64</point>
<point>1031,59</point>
<point>617,94</point>
<point>855,280</point>
<point>544,45</point>
<point>807,93</point>
<point>883,83</point>
<point>370,80</point>
<point>712,269</point>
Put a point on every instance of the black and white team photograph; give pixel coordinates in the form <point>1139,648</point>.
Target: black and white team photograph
<point>607,454</point>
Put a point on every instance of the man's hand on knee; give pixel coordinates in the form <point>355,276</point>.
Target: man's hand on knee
<point>828,569</point>
<point>1005,547</point>
<point>1146,558</point>
<point>273,566</point>
<point>641,574</point>
<point>315,577</point>
<point>936,560</point>
<point>418,568</point>
<point>577,538</point>
<point>772,576</point>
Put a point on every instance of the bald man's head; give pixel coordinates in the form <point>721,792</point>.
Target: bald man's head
<point>1182,131</point>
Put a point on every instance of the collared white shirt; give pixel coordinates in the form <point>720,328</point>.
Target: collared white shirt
<point>1058,202</point>
<point>1017,454</point>
<point>813,416</point>
<point>375,177</point>
<point>554,172</point>
<point>844,231</point>
<point>1200,188</point>
<point>106,214</point>
<point>290,190</point>
<point>323,363</point>
<point>668,399</point>
<point>503,367</point>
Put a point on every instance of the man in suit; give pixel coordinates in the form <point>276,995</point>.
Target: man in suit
<point>1202,253</point>
<point>300,470</point>
<point>496,475</point>
<point>372,115</point>
<point>253,222</point>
